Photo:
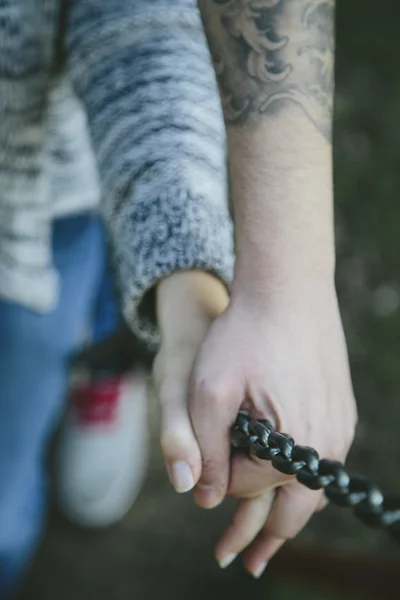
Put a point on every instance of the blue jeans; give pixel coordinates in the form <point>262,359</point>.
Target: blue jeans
<point>34,354</point>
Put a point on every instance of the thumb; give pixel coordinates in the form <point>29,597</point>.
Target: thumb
<point>213,410</point>
<point>178,442</point>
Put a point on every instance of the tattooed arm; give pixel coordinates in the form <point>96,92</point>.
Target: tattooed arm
<point>274,63</point>
<point>278,350</point>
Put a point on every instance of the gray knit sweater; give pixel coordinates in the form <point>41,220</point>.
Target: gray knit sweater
<point>131,110</point>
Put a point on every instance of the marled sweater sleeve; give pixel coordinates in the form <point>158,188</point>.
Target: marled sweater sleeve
<point>143,71</point>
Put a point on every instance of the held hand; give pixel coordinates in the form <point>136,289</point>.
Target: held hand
<point>187,304</point>
<point>284,360</point>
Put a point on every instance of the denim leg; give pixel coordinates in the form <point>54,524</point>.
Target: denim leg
<point>34,353</point>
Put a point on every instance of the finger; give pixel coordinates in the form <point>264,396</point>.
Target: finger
<point>178,443</point>
<point>248,520</point>
<point>293,507</point>
<point>264,548</point>
<point>292,510</point>
<point>213,411</point>
<point>251,476</point>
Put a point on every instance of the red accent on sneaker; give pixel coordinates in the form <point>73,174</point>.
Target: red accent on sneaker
<point>96,402</point>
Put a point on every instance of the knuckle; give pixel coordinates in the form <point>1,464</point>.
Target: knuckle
<point>176,442</point>
<point>169,440</point>
<point>211,392</point>
<point>176,435</point>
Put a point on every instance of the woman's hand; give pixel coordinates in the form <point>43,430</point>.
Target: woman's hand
<point>187,304</point>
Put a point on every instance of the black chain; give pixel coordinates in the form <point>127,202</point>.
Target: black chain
<point>368,503</point>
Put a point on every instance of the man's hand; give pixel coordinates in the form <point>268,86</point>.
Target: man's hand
<point>284,360</point>
<point>279,349</point>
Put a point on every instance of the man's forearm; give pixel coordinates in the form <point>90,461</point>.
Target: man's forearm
<point>274,63</point>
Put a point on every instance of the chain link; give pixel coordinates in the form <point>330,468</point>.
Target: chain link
<point>369,505</point>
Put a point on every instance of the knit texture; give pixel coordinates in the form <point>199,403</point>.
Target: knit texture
<point>133,119</point>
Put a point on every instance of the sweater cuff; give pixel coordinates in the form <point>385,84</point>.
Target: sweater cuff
<point>152,240</point>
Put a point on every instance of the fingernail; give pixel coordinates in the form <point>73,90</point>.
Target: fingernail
<point>227,560</point>
<point>260,570</point>
<point>208,495</point>
<point>181,477</point>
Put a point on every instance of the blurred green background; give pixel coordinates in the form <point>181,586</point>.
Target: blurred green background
<point>164,547</point>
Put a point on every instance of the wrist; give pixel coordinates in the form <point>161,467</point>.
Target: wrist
<point>305,290</point>
<point>284,270</point>
<point>188,302</point>
<point>285,242</point>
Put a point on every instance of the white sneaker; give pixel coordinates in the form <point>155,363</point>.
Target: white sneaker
<point>103,449</point>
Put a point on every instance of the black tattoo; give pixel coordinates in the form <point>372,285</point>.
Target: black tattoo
<point>270,52</point>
